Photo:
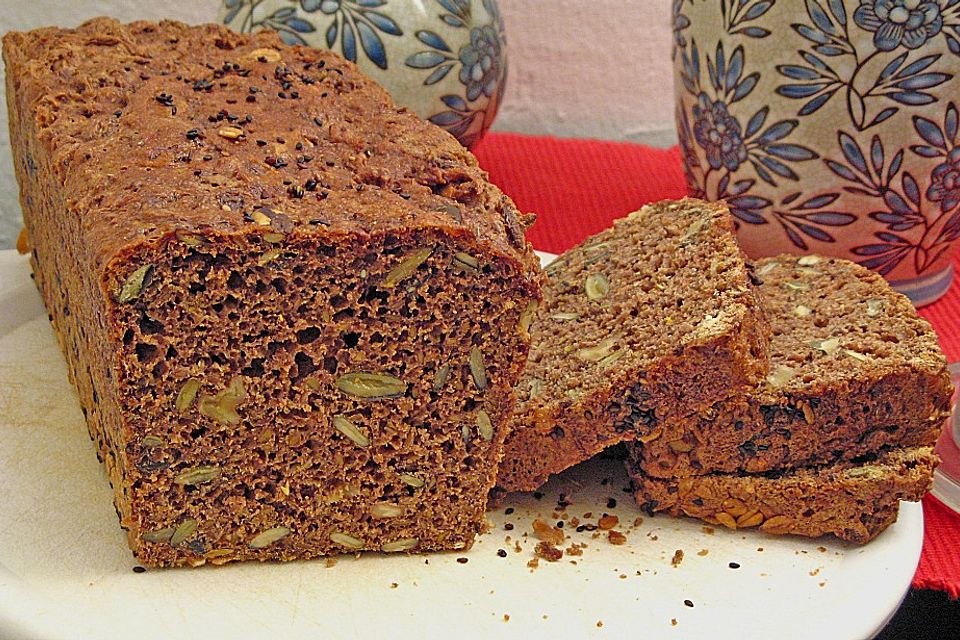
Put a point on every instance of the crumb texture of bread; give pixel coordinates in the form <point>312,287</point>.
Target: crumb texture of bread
<point>853,369</point>
<point>654,318</point>
<point>294,313</point>
<point>852,500</point>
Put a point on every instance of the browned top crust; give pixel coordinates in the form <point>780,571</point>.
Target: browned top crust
<point>155,128</point>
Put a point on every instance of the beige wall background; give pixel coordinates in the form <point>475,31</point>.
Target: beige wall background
<point>598,69</point>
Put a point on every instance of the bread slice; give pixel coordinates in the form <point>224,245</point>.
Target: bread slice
<point>853,369</point>
<point>651,319</point>
<point>293,312</point>
<point>852,499</point>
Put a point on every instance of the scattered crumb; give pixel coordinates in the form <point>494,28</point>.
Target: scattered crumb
<point>734,565</point>
<point>546,533</point>
<point>637,521</point>
<point>545,616</point>
<point>623,576</point>
<point>588,515</point>
<point>548,552</point>
<point>703,552</point>
<point>823,584</point>
<point>599,623</point>
<point>331,562</point>
<point>815,571</point>
<point>673,622</point>
<point>506,617</point>
<point>677,558</point>
<point>574,521</point>
<point>708,530</point>
<point>759,548</point>
<point>574,550</point>
<point>501,553</point>
<point>139,569</point>
<point>463,560</point>
<point>394,585</point>
<point>688,603</point>
<point>617,538</point>
<point>533,563</point>
<point>822,549</point>
<point>486,527</point>
<point>517,548</point>
<point>653,537</point>
<point>608,522</point>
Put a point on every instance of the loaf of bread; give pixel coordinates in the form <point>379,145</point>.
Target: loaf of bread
<point>852,499</point>
<point>853,369</point>
<point>294,312</point>
<point>649,320</point>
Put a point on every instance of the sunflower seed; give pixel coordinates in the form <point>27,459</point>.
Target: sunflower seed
<point>134,284</point>
<point>345,540</point>
<point>223,406</point>
<point>406,268</point>
<point>403,544</point>
<point>189,239</point>
<point>260,218</point>
<point>411,480</point>
<point>230,133</point>
<point>188,392</point>
<point>150,442</point>
<point>526,318</point>
<point>466,261</point>
<point>565,316</point>
<point>808,261</point>
<point>780,375</point>
<point>679,446</point>
<point>874,307</point>
<point>273,237</point>
<point>766,268</point>
<point>268,537</point>
<point>374,386</point>
<point>351,431</point>
<point>198,475</point>
<point>440,377</point>
<point>484,426</point>
<point>186,529</point>
<point>385,510</point>
<point>829,346</point>
<point>802,311</point>
<point>611,359</point>
<point>598,352</point>
<point>477,369</point>
<point>597,286</point>
<point>269,256</point>
<point>791,285</point>
<point>536,388</point>
<point>268,55</point>
<point>453,212</point>
<point>856,355</point>
<point>159,535</point>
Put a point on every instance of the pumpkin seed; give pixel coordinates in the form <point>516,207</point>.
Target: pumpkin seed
<point>273,237</point>
<point>159,535</point>
<point>565,316</point>
<point>406,268</point>
<point>780,375</point>
<point>829,346</point>
<point>767,267</point>
<point>268,537</point>
<point>230,133</point>
<point>150,442</point>
<point>796,286</point>
<point>134,283</point>
<point>440,378</point>
<point>268,55</point>
<point>484,425</point>
<point>874,307</point>
<point>345,540</point>
<point>351,431</point>
<point>477,369</point>
<point>403,544</point>
<point>188,392</point>
<point>526,318</point>
<point>269,256</point>
<point>536,388</point>
<point>597,286</point>
<point>856,355</point>
<point>808,261</point>
<point>597,352</point>
<point>223,406</point>
<point>411,480</point>
<point>198,475</point>
<point>186,529</point>
<point>466,261</point>
<point>802,311</point>
<point>374,386</point>
<point>385,510</point>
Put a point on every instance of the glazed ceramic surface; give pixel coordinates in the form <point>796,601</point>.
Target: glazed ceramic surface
<point>444,59</point>
<point>830,126</point>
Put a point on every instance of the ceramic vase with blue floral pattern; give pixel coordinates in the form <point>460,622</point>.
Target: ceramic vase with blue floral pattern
<point>830,126</point>
<point>444,59</point>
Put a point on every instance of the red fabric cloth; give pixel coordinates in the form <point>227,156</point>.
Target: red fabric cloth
<point>577,187</point>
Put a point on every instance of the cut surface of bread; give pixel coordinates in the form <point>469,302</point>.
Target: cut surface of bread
<point>652,318</point>
<point>853,369</point>
<point>852,500</point>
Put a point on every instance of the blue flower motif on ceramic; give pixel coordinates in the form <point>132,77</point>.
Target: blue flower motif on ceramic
<point>719,134</point>
<point>899,22</point>
<point>904,208</point>
<point>353,21</point>
<point>904,80</point>
<point>481,62</point>
<point>945,182</point>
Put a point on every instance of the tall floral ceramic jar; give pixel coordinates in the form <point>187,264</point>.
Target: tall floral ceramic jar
<point>830,126</point>
<point>444,59</point>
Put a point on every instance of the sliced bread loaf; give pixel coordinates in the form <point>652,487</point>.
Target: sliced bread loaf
<point>853,500</point>
<point>651,319</point>
<point>853,369</point>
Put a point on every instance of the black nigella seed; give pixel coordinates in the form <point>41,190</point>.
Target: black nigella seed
<point>318,121</point>
<point>688,603</point>
<point>463,560</point>
<point>296,191</point>
<point>502,553</point>
<point>310,185</point>
<point>193,134</point>
<point>165,99</point>
<point>508,510</point>
<point>734,565</point>
<point>139,569</point>
<point>612,503</point>
<point>537,495</point>
<point>508,526</point>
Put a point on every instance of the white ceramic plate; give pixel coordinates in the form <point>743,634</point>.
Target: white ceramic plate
<point>66,572</point>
